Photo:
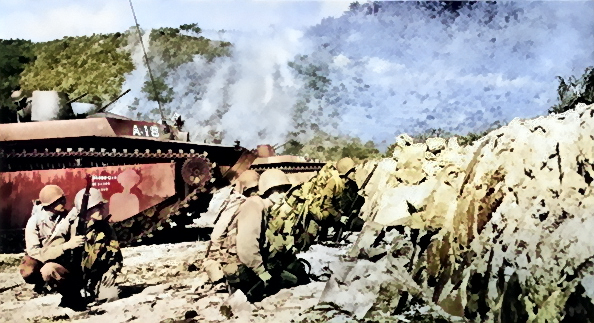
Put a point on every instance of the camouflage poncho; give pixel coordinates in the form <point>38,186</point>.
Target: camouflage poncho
<point>294,223</point>
<point>101,259</point>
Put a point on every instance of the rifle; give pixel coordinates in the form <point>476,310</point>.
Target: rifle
<point>338,235</point>
<point>81,228</point>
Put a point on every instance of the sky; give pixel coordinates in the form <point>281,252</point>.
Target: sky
<point>42,20</point>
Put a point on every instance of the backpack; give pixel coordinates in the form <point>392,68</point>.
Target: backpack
<point>293,223</point>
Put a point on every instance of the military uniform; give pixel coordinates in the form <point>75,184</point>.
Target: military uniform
<point>221,227</point>
<point>245,261</point>
<point>39,264</point>
<point>246,181</point>
<point>38,254</point>
<point>306,213</point>
<point>350,203</point>
<point>24,105</point>
<point>101,258</point>
<point>350,200</point>
<point>242,260</point>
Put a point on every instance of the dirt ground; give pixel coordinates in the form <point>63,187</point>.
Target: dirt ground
<point>157,285</point>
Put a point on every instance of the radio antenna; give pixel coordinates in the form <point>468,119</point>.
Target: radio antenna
<point>148,66</point>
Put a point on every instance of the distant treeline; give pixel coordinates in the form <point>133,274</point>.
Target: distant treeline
<point>96,64</point>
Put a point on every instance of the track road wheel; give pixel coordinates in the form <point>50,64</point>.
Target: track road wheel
<point>197,171</point>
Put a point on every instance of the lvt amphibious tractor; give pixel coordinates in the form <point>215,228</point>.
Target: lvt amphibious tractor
<point>149,172</point>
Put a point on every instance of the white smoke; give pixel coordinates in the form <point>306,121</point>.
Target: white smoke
<point>126,105</point>
<point>248,96</point>
<point>397,71</point>
<point>401,71</point>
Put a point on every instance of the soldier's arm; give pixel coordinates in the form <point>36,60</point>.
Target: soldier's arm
<point>331,192</point>
<point>249,221</point>
<point>223,223</point>
<point>55,245</point>
<point>53,250</point>
<point>32,243</point>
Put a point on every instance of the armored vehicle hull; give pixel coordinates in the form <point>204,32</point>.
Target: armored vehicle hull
<point>150,181</point>
<point>298,169</point>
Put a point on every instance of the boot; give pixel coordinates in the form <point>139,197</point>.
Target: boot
<point>40,289</point>
<point>74,302</point>
<point>72,298</point>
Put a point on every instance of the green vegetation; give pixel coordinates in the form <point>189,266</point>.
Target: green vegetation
<point>97,64</point>
<point>173,47</point>
<point>326,147</point>
<point>574,91</point>
<point>15,54</point>
<point>159,91</point>
<point>77,65</point>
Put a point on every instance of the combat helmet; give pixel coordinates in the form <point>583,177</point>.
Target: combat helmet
<point>49,194</point>
<point>17,96</point>
<point>272,178</point>
<point>247,180</point>
<point>345,165</point>
<point>95,198</point>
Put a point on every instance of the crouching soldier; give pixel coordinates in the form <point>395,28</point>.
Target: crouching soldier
<point>39,265</point>
<point>94,268</point>
<point>246,264</point>
<point>246,186</point>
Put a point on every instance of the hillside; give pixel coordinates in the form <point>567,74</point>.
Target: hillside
<point>98,64</point>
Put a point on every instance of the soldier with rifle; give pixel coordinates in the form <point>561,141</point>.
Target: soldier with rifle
<point>91,270</point>
<point>348,203</point>
<point>23,105</point>
<point>39,265</point>
<point>245,261</point>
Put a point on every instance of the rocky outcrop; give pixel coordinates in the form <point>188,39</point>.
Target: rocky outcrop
<point>508,220</point>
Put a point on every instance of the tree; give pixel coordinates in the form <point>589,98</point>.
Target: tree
<point>574,91</point>
<point>326,147</point>
<point>172,48</point>
<point>293,147</point>
<point>175,49</point>
<point>160,91</point>
<point>15,55</point>
<point>191,27</point>
<point>77,65</point>
<point>370,8</point>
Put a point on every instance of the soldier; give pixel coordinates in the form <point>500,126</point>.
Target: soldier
<point>38,266</point>
<point>95,268</point>
<point>246,265</point>
<point>350,200</point>
<point>341,201</point>
<point>247,185</point>
<point>23,105</point>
